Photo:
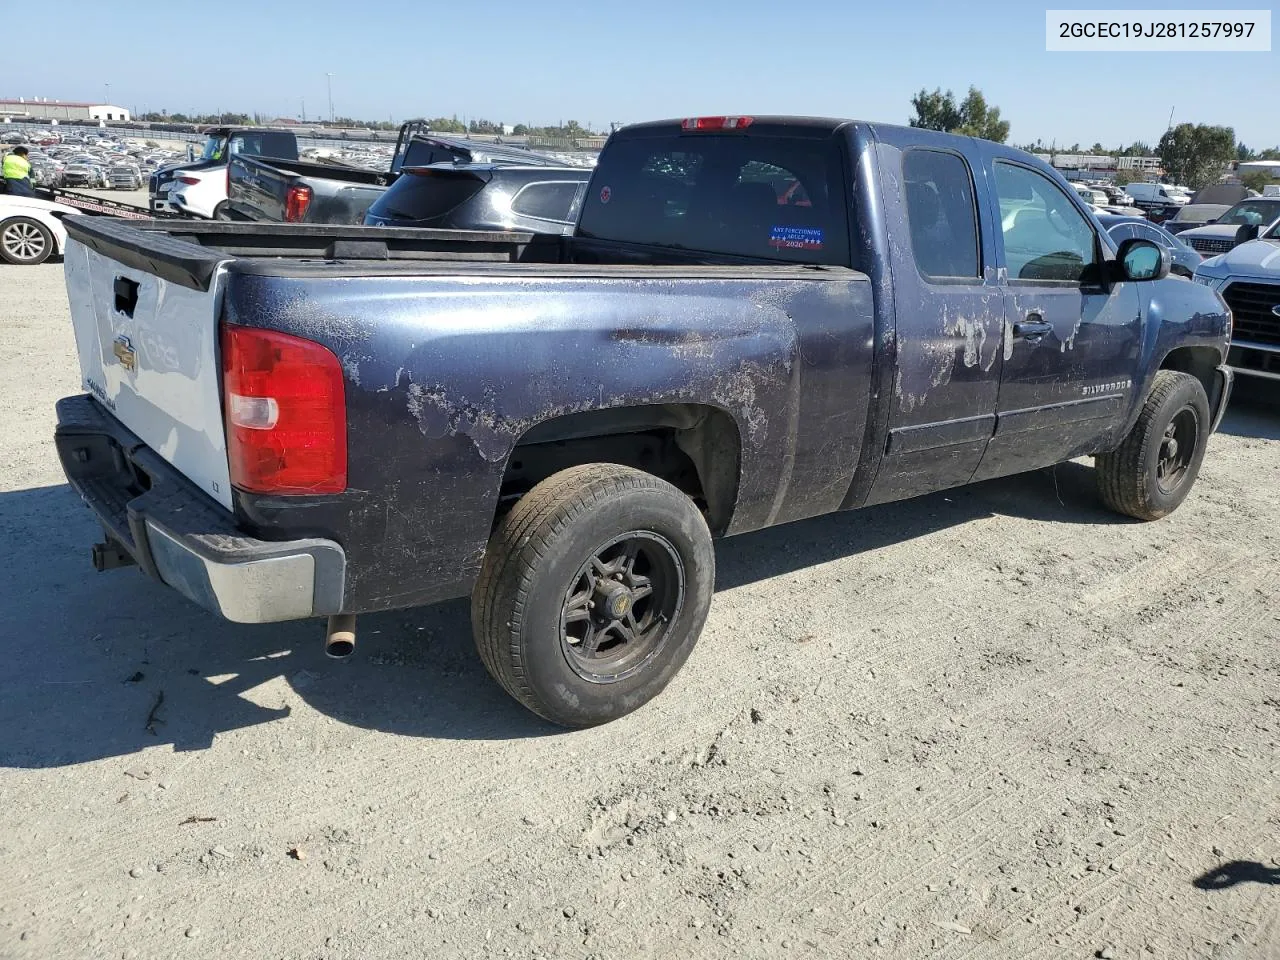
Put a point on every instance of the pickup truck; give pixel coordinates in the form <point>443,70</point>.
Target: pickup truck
<point>294,191</point>
<point>1248,279</point>
<point>757,320</point>
<point>199,187</point>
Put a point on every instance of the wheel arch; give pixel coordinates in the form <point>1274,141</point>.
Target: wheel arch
<point>695,446</point>
<point>1200,362</point>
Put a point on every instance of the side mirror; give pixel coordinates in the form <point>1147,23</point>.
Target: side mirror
<point>1247,232</point>
<point>1140,259</point>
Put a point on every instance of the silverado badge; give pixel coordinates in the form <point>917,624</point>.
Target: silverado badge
<point>123,349</point>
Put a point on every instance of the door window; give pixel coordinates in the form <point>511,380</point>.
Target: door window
<point>944,226</point>
<point>1045,236</point>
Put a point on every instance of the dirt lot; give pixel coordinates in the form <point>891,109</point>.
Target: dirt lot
<point>998,722</point>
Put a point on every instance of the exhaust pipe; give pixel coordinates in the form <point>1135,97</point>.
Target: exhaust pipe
<point>340,637</point>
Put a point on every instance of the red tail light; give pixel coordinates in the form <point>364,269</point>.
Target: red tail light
<point>296,202</point>
<point>188,180</point>
<point>717,123</point>
<point>286,413</point>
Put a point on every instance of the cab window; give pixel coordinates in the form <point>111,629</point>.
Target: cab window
<point>941,214</point>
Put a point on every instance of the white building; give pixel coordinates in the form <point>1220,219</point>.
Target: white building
<point>42,108</point>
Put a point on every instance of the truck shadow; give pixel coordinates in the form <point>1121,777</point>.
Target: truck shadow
<point>88,657</point>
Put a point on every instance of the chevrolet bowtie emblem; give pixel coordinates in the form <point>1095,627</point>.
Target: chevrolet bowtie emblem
<point>123,349</point>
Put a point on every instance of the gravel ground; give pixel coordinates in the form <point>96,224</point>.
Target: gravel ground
<point>996,722</point>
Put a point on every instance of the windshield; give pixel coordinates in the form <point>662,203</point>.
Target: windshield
<point>1254,212</point>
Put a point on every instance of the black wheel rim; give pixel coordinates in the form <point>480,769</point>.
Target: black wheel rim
<point>1177,447</point>
<point>619,608</point>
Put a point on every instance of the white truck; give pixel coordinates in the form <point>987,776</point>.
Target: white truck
<point>1248,279</point>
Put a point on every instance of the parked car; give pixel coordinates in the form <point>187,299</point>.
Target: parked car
<point>125,176</point>
<point>294,191</point>
<point>1184,259</point>
<point>1195,215</point>
<point>84,175</point>
<point>483,197</point>
<point>558,426</point>
<point>1248,279</point>
<point>1157,200</point>
<point>1224,233</point>
<point>31,229</point>
<point>1092,196</point>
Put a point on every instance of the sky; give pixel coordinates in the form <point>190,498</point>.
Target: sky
<point>604,61</point>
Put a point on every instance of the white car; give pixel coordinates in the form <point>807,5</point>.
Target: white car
<point>200,193</point>
<point>31,229</point>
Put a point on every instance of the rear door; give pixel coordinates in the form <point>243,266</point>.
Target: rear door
<point>1071,342</point>
<point>949,314</point>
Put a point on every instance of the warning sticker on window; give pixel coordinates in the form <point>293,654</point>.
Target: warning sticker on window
<point>795,238</point>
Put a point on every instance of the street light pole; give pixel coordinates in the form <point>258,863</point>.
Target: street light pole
<point>329,76</point>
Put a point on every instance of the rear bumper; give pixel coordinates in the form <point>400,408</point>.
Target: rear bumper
<point>182,538</point>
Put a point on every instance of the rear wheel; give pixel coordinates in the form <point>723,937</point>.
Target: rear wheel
<point>593,593</point>
<point>25,241</point>
<point>1153,470</point>
<point>221,211</point>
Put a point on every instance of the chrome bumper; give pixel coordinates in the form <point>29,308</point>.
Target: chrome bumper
<point>159,520</point>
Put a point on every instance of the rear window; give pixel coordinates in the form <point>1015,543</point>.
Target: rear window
<point>266,144</point>
<point>424,197</point>
<point>775,198</point>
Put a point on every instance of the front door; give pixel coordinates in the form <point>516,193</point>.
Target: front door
<point>1071,338</point>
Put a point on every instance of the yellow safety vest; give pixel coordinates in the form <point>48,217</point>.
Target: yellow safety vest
<point>16,167</point>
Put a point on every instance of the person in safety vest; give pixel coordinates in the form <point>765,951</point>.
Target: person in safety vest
<point>17,173</point>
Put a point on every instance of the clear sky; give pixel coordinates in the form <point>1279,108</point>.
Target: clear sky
<point>596,62</point>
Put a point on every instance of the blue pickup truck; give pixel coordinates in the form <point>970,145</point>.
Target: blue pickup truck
<point>756,320</point>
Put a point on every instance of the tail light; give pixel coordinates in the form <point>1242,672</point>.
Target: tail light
<point>296,202</point>
<point>188,180</point>
<point>716,123</point>
<point>286,413</point>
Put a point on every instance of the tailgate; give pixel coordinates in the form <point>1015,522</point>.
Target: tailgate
<point>145,308</point>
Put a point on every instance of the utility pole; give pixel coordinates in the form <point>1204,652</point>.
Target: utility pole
<point>304,109</point>
<point>330,78</point>
<point>1171,109</point>
<point>108,89</point>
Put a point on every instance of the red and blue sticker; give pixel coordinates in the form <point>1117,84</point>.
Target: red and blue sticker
<point>795,238</point>
<point>606,194</point>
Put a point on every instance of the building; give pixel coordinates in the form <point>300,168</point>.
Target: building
<point>42,108</point>
<point>1104,166</point>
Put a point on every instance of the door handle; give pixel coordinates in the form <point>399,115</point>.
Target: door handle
<point>1033,329</point>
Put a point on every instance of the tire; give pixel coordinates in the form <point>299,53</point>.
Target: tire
<point>1147,477</point>
<point>25,242</point>
<point>220,212</point>
<point>534,628</point>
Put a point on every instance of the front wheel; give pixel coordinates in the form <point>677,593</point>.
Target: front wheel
<point>25,241</point>
<point>1153,470</point>
<point>593,592</point>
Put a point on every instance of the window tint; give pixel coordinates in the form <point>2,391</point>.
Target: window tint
<point>546,201</point>
<point>1045,236</point>
<point>266,144</point>
<point>944,227</point>
<point>1123,231</point>
<point>775,198</point>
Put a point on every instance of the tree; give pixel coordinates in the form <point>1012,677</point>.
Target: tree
<point>520,130</point>
<point>1196,154</point>
<point>1097,149</point>
<point>1126,177</point>
<point>972,118</point>
<point>1257,179</point>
